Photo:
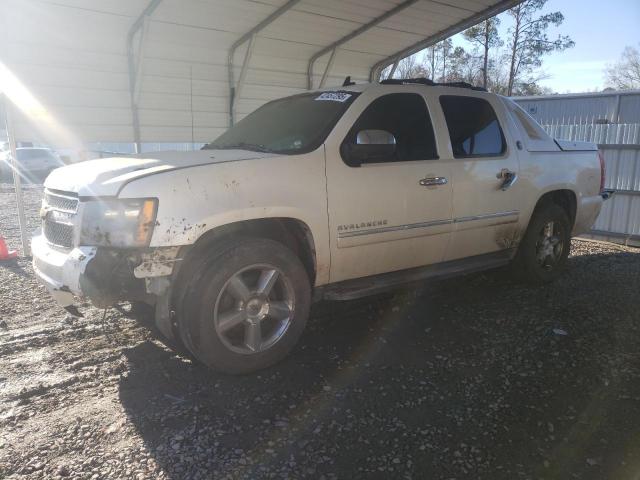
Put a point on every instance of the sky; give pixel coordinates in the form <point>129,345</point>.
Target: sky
<point>600,29</point>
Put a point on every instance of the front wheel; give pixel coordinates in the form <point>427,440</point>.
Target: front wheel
<point>543,252</point>
<point>248,307</point>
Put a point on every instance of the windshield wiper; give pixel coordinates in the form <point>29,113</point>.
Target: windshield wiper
<point>254,147</point>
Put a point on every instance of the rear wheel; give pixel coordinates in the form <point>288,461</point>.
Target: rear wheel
<point>246,306</point>
<point>543,252</point>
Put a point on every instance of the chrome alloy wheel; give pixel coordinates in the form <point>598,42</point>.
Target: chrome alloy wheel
<point>550,246</point>
<point>254,309</point>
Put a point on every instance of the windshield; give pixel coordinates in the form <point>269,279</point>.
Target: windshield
<point>291,125</point>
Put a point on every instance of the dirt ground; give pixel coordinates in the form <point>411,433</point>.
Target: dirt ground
<point>477,377</point>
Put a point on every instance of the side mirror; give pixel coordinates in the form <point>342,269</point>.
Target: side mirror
<point>371,146</point>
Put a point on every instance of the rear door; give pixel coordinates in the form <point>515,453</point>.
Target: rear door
<point>487,197</point>
<point>382,216</point>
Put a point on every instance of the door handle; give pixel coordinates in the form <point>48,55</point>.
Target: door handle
<point>433,181</point>
<point>508,178</point>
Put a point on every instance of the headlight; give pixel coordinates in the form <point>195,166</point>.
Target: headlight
<point>118,223</point>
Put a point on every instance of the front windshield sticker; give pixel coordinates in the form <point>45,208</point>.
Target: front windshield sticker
<point>334,96</point>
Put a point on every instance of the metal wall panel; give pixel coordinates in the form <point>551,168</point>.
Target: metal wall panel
<point>619,220</point>
<point>630,109</point>
<point>613,107</point>
<point>612,133</point>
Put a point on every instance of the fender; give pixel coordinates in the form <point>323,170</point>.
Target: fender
<point>194,201</point>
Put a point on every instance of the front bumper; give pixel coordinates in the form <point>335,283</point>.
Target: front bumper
<point>103,276</point>
<point>60,270</point>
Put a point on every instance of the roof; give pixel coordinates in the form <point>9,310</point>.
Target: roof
<point>182,70</point>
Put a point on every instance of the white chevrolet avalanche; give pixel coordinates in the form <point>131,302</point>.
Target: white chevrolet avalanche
<point>332,194</point>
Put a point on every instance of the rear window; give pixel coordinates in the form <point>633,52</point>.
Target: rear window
<point>473,126</point>
<point>527,123</point>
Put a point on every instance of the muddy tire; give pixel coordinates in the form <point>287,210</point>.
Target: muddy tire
<point>245,306</point>
<point>542,254</point>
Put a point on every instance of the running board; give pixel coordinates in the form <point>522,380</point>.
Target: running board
<point>363,287</point>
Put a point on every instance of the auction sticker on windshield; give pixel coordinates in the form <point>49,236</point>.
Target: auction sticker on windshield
<point>334,96</point>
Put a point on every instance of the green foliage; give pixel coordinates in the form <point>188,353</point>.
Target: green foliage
<point>485,36</point>
<point>528,39</point>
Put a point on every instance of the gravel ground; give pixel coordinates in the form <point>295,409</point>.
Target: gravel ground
<point>476,377</point>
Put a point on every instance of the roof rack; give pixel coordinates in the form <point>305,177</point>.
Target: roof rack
<point>430,83</point>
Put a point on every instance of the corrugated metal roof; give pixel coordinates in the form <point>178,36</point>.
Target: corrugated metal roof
<point>72,55</point>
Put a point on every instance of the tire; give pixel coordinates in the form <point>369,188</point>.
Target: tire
<point>544,249</point>
<point>245,306</point>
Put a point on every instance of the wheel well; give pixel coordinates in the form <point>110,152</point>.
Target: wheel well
<point>563,198</point>
<point>293,233</point>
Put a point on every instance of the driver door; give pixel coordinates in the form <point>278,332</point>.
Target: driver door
<point>391,211</point>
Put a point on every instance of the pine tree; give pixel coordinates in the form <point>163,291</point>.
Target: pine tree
<point>485,36</point>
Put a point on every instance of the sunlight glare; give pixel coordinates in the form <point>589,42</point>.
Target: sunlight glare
<point>34,111</point>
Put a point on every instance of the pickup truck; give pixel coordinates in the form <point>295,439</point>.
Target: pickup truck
<point>331,194</point>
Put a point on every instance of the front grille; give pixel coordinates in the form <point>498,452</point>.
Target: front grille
<point>59,234</point>
<point>60,209</point>
<point>63,201</point>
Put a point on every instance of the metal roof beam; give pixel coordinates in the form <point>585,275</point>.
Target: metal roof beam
<point>442,35</point>
<point>249,36</point>
<point>367,26</point>
<point>134,71</point>
<point>327,69</point>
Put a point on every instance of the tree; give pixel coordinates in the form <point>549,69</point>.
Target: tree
<point>409,67</point>
<point>485,36</point>
<point>431,55</point>
<point>528,40</point>
<point>445,48</point>
<point>532,87</point>
<point>464,66</point>
<point>625,73</point>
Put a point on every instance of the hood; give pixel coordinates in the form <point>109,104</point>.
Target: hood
<point>106,176</point>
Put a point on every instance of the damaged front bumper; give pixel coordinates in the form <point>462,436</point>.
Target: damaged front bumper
<point>104,276</point>
<point>60,271</point>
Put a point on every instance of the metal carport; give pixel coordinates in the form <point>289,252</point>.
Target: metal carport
<point>182,70</point>
<point>137,71</point>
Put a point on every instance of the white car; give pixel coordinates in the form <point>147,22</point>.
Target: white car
<point>331,194</point>
<point>34,164</point>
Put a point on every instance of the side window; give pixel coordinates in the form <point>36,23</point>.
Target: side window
<point>474,129</point>
<point>405,116</point>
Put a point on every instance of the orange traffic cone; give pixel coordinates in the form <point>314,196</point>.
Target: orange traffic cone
<point>5,253</point>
